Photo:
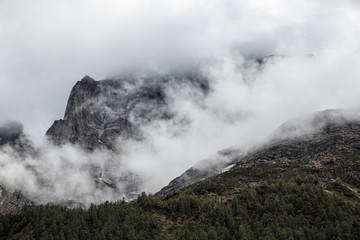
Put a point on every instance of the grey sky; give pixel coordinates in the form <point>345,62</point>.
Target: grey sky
<point>45,46</point>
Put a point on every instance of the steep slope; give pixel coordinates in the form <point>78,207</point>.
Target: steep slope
<point>204,169</point>
<point>322,140</point>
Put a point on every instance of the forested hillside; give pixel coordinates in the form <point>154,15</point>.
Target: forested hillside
<point>301,207</point>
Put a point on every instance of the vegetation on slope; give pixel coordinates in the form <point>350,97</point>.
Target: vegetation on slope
<point>224,207</point>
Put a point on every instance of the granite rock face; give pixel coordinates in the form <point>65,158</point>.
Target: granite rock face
<point>99,112</point>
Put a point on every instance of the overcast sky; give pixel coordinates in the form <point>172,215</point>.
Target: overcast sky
<point>47,45</point>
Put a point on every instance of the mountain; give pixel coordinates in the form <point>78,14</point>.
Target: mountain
<point>101,114</point>
<point>303,184</point>
<point>98,116</point>
<point>318,140</point>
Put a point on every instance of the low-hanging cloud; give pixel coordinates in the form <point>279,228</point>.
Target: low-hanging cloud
<point>46,47</point>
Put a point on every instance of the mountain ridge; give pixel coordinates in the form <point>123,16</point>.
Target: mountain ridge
<point>293,134</point>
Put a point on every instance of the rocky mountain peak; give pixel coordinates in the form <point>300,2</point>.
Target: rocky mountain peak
<point>99,112</point>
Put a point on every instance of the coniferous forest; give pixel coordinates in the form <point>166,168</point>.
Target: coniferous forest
<point>224,207</point>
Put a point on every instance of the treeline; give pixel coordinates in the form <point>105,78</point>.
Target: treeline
<point>299,208</point>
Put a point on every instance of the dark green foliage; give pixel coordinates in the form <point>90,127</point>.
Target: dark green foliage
<point>297,208</point>
<point>106,221</point>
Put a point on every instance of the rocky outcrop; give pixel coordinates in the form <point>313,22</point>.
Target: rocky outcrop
<point>91,119</point>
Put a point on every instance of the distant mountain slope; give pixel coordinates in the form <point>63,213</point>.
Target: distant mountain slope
<point>323,140</point>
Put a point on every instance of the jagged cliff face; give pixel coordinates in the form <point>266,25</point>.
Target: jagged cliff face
<point>100,112</point>
<point>100,115</point>
<point>328,141</point>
